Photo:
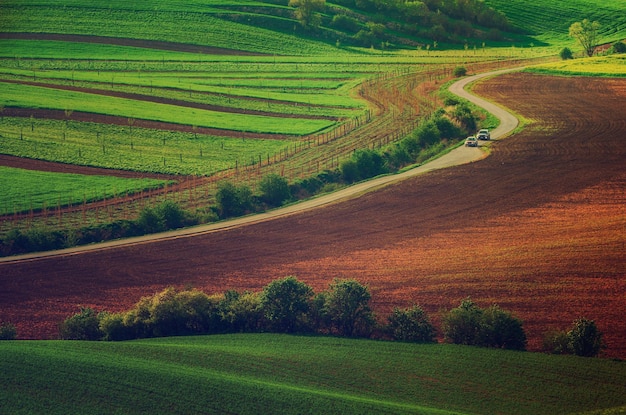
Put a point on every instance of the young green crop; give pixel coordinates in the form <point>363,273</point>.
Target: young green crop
<point>268,373</point>
<point>198,24</point>
<point>27,96</point>
<point>139,149</point>
<point>24,190</point>
<point>548,21</point>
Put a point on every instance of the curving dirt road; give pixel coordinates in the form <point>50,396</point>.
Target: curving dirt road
<point>538,227</point>
<point>458,156</point>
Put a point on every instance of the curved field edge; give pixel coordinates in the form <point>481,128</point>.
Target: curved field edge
<point>603,66</point>
<point>22,188</point>
<point>195,25</point>
<point>26,96</point>
<point>265,373</point>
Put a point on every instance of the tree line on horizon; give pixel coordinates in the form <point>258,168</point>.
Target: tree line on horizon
<point>372,22</point>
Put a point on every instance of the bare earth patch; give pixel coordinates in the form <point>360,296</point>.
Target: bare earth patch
<point>538,227</point>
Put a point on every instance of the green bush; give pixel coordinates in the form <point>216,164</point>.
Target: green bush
<point>114,328</point>
<point>8,331</point>
<point>556,342</point>
<point>346,310</point>
<point>233,200</point>
<point>84,325</point>
<point>242,312</point>
<point>584,338</point>
<point>166,215</point>
<point>500,329</point>
<point>285,304</point>
<point>349,170</point>
<point>411,324</point>
<point>566,53</point>
<point>363,164</point>
<point>468,324</point>
<point>459,71</point>
<point>461,325</point>
<point>463,114</point>
<point>274,189</point>
<point>345,23</point>
<point>618,47</point>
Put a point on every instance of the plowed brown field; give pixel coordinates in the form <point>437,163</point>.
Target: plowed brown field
<point>539,227</point>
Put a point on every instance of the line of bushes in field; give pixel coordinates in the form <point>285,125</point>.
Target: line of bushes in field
<point>288,305</point>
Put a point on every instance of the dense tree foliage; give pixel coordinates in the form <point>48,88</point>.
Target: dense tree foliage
<point>288,305</point>
<point>307,11</point>
<point>566,53</point>
<point>274,189</point>
<point>285,303</point>
<point>346,310</point>
<point>437,20</point>
<point>233,200</point>
<point>583,339</point>
<point>84,325</point>
<point>411,324</point>
<point>492,327</point>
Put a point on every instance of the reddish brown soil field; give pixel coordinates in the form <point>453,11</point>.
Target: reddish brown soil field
<point>539,228</point>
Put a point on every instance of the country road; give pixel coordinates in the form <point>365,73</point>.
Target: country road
<point>458,156</point>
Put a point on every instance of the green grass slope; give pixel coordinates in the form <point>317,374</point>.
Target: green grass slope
<point>265,373</point>
<point>194,23</point>
<point>549,21</point>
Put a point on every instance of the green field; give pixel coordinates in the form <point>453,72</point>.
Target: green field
<point>268,373</point>
<point>135,149</point>
<point>24,190</point>
<point>192,23</point>
<point>245,69</point>
<point>611,66</point>
<point>548,21</point>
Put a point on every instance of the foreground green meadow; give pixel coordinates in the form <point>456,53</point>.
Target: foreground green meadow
<point>269,373</point>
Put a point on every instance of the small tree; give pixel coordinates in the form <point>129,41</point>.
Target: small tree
<point>242,312</point>
<point>566,53</point>
<point>461,325</point>
<point>233,200</point>
<point>459,71</point>
<point>347,309</point>
<point>274,189</point>
<point>84,325</point>
<point>586,33</point>
<point>584,338</point>
<point>307,11</point>
<point>492,327</point>
<point>349,170</point>
<point>285,303</point>
<point>499,328</point>
<point>556,342</point>
<point>411,324</point>
<point>617,47</point>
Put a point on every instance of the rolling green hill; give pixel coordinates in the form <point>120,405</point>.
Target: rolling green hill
<point>548,21</point>
<point>266,373</point>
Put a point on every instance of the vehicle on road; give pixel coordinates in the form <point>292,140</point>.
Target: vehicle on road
<point>471,141</point>
<point>483,134</point>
